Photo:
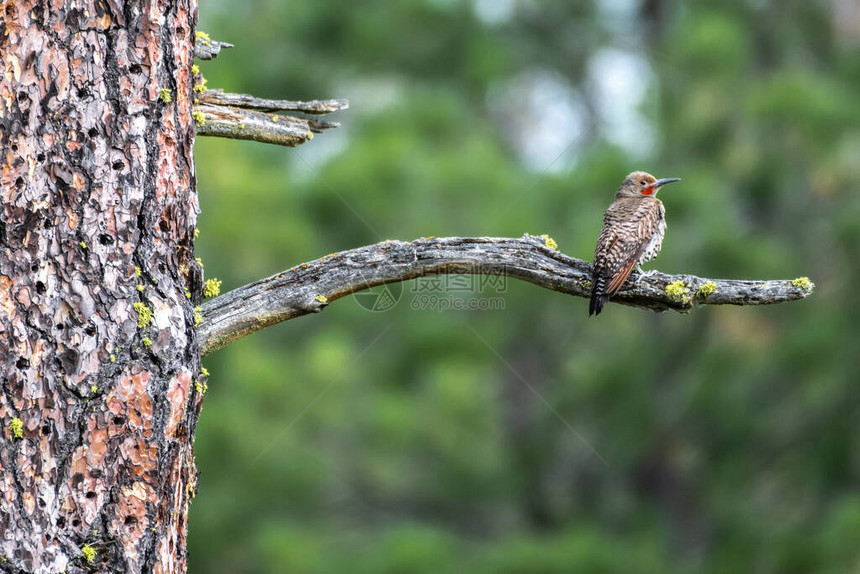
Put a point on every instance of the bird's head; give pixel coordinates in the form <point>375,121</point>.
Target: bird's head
<point>642,184</point>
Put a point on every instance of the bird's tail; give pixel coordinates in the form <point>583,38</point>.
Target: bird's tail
<point>598,296</point>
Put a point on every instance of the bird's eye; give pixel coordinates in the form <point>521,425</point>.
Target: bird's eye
<point>643,182</point>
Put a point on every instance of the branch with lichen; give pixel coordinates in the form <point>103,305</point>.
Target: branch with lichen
<point>205,48</point>
<point>245,101</point>
<point>310,287</point>
<point>245,117</point>
<point>239,116</point>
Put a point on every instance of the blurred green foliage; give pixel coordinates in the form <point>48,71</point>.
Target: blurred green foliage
<point>424,441</point>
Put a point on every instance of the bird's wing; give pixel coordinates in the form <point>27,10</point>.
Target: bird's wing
<point>619,278</point>
<point>626,232</point>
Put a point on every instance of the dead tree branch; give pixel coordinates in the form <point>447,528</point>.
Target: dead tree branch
<point>314,107</point>
<point>310,287</point>
<point>238,124</point>
<point>241,117</point>
<point>205,49</point>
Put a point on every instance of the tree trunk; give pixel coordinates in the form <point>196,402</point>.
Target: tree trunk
<point>98,350</point>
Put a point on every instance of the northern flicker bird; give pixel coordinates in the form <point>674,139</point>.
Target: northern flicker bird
<point>633,229</point>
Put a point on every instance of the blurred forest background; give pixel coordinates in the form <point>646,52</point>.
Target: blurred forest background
<point>532,439</point>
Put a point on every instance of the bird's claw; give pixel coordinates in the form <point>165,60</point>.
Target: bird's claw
<point>643,274</point>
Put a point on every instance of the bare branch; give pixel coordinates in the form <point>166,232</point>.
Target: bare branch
<point>310,287</point>
<point>238,124</point>
<point>242,117</point>
<point>313,107</point>
<point>209,49</point>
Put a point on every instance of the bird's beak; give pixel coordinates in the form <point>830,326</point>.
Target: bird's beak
<point>661,182</point>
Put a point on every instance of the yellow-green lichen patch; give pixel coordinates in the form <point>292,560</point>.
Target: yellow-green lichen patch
<point>201,85</point>
<point>137,272</point>
<point>212,287</point>
<point>195,69</point>
<point>678,292</point>
<point>198,316</point>
<point>94,389</point>
<point>89,553</point>
<point>201,387</point>
<point>196,233</point>
<point>165,95</point>
<point>706,289</point>
<point>586,284</point>
<point>140,287</point>
<point>16,427</point>
<point>144,315</point>
<point>204,371</point>
<point>804,283</point>
<point>199,118</point>
<point>83,244</point>
<point>203,37</point>
<point>147,342</point>
<point>112,358</point>
<point>321,298</point>
<point>549,242</point>
<point>199,261</point>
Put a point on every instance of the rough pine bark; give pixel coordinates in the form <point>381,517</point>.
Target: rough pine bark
<point>99,357</point>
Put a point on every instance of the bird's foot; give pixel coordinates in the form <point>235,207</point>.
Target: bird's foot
<point>644,274</point>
